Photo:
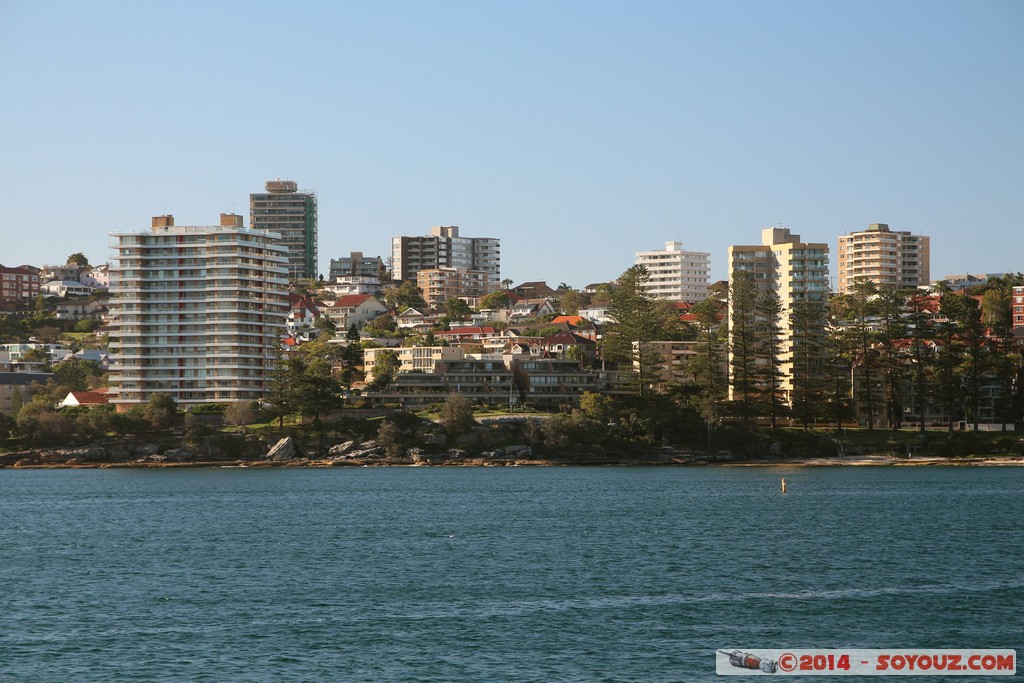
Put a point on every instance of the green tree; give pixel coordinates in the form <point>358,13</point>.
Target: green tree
<point>889,307</point>
<point>966,315</point>
<point>77,375</point>
<point>317,392</point>
<point>921,357</point>
<point>381,326</point>
<point>241,413</point>
<point>79,259</point>
<point>37,355</point>
<point>809,350</point>
<point>996,310</point>
<point>596,406</point>
<point>861,310</point>
<point>839,351</point>
<point>281,388</point>
<point>495,301</point>
<point>743,344</point>
<point>391,438</point>
<point>635,324</point>
<point>457,414</point>
<point>326,326</point>
<point>457,309</point>
<point>705,366</point>
<point>769,345</point>
<point>160,411</point>
<point>406,295</point>
<point>572,301</point>
<point>352,356</point>
<point>87,325</point>
<point>12,329</point>
<point>385,370</point>
<point>944,379</point>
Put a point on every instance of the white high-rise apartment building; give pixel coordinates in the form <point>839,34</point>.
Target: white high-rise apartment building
<point>198,312</point>
<point>797,271</point>
<point>676,275</point>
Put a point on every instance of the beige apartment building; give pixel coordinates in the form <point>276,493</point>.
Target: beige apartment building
<point>284,210</point>
<point>890,259</point>
<point>412,358</point>
<point>440,284</point>
<point>675,274</point>
<point>198,312</point>
<point>796,270</point>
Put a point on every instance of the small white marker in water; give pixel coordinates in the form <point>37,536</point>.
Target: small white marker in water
<point>783,485</point>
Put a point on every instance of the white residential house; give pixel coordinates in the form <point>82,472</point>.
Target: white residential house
<point>354,309</point>
<point>596,314</point>
<point>87,399</point>
<point>303,312</point>
<point>77,309</point>
<point>411,319</point>
<point>65,288</point>
<point>98,277</point>
<point>101,358</point>
<point>346,285</point>
<point>531,308</point>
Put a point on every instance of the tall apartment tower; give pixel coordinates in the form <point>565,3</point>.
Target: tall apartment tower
<point>676,275</point>
<point>890,259</point>
<point>444,248</point>
<point>198,312</point>
<point>291,214</point>
<point>1017,308</point>
<point>797,271</point>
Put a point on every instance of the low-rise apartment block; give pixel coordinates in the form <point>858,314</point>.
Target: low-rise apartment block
<point>18,284</point>
<point>358,265</point>
<point>440,284</point>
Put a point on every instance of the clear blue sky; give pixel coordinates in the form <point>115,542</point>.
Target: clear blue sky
<point>577,132</point>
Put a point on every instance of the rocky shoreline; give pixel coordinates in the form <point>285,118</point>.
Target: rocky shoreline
<point>369,453</point>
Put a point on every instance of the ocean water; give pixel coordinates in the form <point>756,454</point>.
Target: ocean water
<point>494,574</point>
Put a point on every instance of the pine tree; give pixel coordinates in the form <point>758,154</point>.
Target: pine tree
<point>706,365</point>
<point>635,324</point>
<point>743,344</point>
<point>769,344</point>
<point>809,373</point>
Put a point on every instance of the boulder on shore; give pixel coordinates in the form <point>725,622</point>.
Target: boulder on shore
<point>178,455</point>
<point>342,448</point>
<point>284,449</point>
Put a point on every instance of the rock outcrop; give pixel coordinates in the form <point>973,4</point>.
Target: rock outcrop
<point>284,449</point>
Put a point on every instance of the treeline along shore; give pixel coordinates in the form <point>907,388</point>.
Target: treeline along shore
<point>453,434</point>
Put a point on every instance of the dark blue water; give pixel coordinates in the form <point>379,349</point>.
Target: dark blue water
<point>518,574</point>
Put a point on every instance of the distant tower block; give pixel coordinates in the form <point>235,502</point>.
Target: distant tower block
<point>284,209</point>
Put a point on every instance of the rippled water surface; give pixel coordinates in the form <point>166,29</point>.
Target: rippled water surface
<point>494,574</point>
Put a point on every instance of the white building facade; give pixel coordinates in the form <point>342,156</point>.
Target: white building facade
<point>197,312</point>
<point>675,274</point>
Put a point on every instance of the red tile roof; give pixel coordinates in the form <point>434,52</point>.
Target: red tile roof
<point>351,300</point>
<point>90,398</point>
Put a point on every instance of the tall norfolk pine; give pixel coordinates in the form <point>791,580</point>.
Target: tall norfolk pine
<point>705,366</point>
<point>637,321</point>
<point>743,379</point>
